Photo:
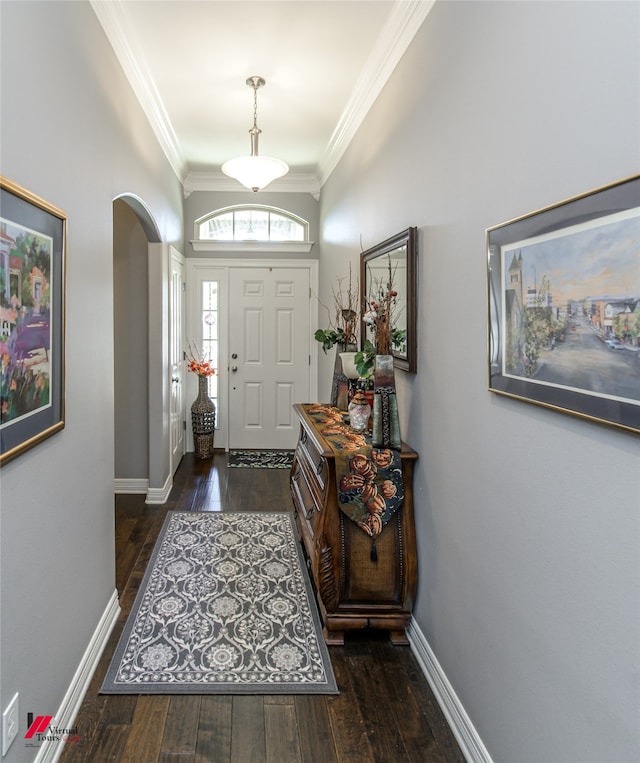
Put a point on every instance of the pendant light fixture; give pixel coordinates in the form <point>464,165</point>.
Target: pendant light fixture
<point>255,172</point>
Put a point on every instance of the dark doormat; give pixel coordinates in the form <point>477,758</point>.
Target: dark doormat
<point>260,459</point>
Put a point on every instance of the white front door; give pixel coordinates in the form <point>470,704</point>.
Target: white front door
<point>176,348</point>
<point>268,354</point>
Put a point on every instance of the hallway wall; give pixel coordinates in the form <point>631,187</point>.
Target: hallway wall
<point>74,134</point>
<point>528,519</point>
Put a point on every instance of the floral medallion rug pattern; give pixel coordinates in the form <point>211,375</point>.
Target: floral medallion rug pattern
<point>225,607</point>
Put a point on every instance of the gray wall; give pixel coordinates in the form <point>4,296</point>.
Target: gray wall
<point>73,133</point>
<point>528,552</point>
<point>528,519</point>
<point>131,338</point>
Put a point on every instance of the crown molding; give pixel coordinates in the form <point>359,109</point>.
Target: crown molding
<point>112,17</point>
<point>404,21</point>
<point>292,182</point>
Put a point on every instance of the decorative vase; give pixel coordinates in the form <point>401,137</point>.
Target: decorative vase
<point>386,424</point>
<point>359,412</point>
<point>340,383</point>
<point>349,365</point>
<point>203,420</point>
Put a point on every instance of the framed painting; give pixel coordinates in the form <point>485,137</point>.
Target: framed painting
<point>564,306</point>
<point>32,319</point>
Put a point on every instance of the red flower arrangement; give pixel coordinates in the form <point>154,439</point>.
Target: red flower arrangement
<point>197,364</point>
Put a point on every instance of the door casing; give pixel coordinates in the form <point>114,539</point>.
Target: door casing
<point>177,287</point>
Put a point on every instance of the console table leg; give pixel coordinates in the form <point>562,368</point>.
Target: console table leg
<point>398,638</point>
<point>333,638</point>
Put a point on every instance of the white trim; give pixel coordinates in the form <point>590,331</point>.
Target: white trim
<point>242,247</point>
<point>229,262</point>
<point>130,487</point>
<point>114,20</point>
<point>66,715</point>
<point>463,729</point>
<point>404,21</point>
<point>292,182</point>
<point>160,495</point>
<point>179,261</point>
<point>198,270</point>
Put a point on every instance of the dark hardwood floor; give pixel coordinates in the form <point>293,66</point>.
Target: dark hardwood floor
<point>385,711</point>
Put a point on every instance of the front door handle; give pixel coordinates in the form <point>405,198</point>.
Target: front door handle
<point>234,368</point>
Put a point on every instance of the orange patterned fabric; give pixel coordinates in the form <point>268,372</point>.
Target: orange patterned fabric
<point>369,480</point>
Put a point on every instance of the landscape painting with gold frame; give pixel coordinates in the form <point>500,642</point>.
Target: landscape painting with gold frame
<point>564,306</point>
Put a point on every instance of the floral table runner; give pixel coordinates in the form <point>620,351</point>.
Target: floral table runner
<point>369,480</point>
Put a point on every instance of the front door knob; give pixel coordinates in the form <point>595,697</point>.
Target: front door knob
<point>234,368</point>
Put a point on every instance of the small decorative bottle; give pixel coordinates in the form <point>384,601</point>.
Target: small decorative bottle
<point>359,412</point>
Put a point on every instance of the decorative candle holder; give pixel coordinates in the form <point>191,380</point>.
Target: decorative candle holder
<point>359,413</point>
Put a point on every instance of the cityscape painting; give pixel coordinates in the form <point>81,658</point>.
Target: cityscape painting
<point>564,306</point>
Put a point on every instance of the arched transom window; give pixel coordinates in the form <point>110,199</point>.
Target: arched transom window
<point>251,223</point>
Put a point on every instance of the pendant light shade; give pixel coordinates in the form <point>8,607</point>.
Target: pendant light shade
<point>254,171</point>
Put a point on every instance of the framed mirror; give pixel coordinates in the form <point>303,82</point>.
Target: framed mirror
<point>396,257</point>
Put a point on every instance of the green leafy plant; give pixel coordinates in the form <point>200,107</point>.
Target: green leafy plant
<point>329,337</point>
<point>365,358</point>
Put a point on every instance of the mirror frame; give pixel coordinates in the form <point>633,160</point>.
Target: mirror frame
<point>408,238</point>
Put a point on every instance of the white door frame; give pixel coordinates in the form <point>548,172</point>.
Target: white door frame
<point>176,351</point>
<point>160,477</point>
<point>220,268</point>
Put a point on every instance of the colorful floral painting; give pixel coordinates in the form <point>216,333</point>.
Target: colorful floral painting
<point>25,321</point>
<point>32,319</point>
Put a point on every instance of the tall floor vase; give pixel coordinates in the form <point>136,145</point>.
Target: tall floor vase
<point>386,424</point>
<point>203,420</point>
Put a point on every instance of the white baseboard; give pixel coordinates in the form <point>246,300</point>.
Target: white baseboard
<point>464,731</point>
<point>141,487</point>
<point>130,486</point>
<point>160,495</point>
<point>66,715</point>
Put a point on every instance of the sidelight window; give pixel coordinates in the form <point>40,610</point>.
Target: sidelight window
<point>209,326</point>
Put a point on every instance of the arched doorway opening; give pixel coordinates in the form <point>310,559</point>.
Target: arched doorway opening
<point>133,231</point>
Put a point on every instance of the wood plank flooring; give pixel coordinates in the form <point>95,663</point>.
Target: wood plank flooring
<point>385,712</point>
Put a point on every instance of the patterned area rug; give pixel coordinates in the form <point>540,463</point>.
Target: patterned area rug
<point>225,607</point>
<point>260,459</point>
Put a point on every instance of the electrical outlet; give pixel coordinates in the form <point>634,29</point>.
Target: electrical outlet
<point>9,724</point>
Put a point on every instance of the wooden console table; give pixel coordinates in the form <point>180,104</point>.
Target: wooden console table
<point>353,591</point>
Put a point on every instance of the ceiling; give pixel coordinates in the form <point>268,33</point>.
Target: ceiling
<point>324,62</point>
